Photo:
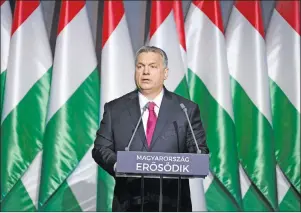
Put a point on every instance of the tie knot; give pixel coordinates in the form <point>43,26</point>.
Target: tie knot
<point>151,106</point>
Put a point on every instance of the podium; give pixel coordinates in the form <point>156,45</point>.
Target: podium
<point>161,165</point>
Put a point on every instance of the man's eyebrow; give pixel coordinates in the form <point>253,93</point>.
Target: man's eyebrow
<point>152,63</point>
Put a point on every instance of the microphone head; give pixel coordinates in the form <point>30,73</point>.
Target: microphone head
<point>182,106</point>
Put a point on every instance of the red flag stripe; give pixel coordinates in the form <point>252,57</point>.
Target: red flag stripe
<point>212,9</point>
<point>23,10</point>
<point>2,1</point>
<point>69,9</point>
<point>159,12</point>
<point>179,18</point>
<point>290,11</point>
<point>251,10</point>
<point>113,13</point>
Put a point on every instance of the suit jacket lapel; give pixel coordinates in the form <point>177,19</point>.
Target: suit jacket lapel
<point>135,113</point>
<point>164,117</point>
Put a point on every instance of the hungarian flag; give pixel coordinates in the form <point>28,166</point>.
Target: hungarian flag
<point>117,77</point>
<point>6,22</point>
<point>69,174</point>
<point>251,103</point>
<point>209,87</point>
<point>25,106</point>
<point>117,57</point>
<point>163,34</point>
<point>283,52</point>
<point>196,184</point>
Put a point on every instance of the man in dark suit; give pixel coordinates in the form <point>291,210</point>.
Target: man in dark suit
<point>164,128</point>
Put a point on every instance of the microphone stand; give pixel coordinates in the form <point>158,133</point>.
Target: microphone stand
<point>127,148</point>
<point>161,194</point>
<point>179,178</point>
<point>142,192</point>
<point>194,139</point>
<point>179,194</point>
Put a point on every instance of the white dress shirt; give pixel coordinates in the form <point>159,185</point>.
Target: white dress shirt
<point>144,100</point>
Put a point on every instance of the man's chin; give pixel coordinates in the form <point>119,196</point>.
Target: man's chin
<point>146,89</point>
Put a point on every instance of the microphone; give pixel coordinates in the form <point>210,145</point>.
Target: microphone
<point>143,110</point>
<point>196,144</point>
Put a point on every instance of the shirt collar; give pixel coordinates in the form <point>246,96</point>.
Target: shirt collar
<point>157,100</point>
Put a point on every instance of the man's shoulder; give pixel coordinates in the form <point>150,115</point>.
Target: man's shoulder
<point>180,99</point>
<point>122,100</point>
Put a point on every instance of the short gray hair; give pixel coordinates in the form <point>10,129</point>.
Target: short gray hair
<point>146,49</point>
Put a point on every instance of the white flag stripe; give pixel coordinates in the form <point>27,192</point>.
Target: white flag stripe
<point>282,184</point>
<point>245,183</point>
<point>31,55</point>
<point>31,178</point>
<point>85,177</point>
<point>207,181</point>
<point>210,67</point>
<point>184,58</point>
<point>166,38</point>
<point>6,22</point>
<point>251,67</point>
<point>74,58</point>
<point>284,58</point>
<point>117,65</point>
<point>198,201</point>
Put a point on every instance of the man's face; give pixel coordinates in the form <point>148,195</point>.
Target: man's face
<point>150,72</point>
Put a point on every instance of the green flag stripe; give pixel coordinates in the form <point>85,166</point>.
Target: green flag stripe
<point>219,199</point>
<point>22,133</point>
<point>182,89</point>
<point>69,134</point>
<point>255,148</point>
<point>291,201</point>
<point>286,124</point>
<point>17,200</point>
<point>2,85</point>
<point>63,200</point>
<point>220,135</point>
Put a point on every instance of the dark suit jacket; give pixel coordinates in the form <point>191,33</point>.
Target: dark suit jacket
<point>172,134</point>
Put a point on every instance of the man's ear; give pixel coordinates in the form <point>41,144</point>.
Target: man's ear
<point>166,73</point>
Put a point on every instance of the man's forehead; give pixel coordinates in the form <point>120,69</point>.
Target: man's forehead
<point>149,56</point>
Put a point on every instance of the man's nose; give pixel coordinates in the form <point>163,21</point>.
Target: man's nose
<point>146,70</point>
